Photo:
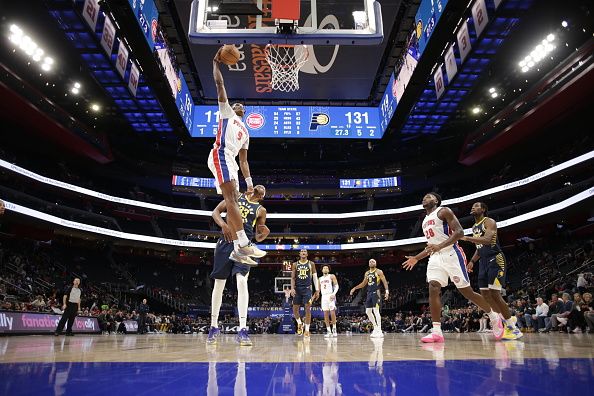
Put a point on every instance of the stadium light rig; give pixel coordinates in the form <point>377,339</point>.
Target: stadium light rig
<point>538,53</point>
<point>26,44</point>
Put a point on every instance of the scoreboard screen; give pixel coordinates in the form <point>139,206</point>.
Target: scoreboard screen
<point>188,181</point>
<point>379,182</point>
<point>296,122</point>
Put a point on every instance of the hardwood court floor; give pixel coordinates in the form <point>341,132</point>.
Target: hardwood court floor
<point>541,364</point>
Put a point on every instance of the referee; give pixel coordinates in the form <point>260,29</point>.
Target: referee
<point>71,306</point>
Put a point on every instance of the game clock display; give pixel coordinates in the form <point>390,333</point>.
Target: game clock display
<point>296,122</point>
<point>378,182</point>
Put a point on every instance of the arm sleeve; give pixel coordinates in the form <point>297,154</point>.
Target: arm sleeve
<point>335,289</point>
<point>225,110</point>
<point>246,145</point>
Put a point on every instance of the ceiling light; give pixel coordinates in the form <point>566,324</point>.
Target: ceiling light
<point>95,107</point>
<point>15,29</point>
<point>525,69</point>
<point>494,95</point>
<point>77,85</point>
<point>75,90</point>
<point>48,60</point>
<point>491,90</point>
<point>46,67</point>
<point>550,37</point>
<point>564,24</point>
<point>476,110</point>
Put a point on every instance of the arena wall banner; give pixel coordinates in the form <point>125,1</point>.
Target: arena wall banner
<point>41,323</point>
<point>386,212</point>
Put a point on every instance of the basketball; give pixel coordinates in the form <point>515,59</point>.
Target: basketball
<point>229,54</point>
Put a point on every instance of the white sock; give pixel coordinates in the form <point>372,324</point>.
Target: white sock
<point>493,316</point>
<point>243,239</point>
<point>306,327</point>
<point>216,301</point>
<point>378,318</point>
<point>235,244</point>
<point>243,298</point>
<point>328,329</point>
<point>437,327</point>
<point>334,327</point>
<point>298,321</point>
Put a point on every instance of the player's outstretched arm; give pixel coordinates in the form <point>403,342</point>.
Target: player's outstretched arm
<point>262,231</point>
<point>216,215</point>
<point>360,285</point>
<point>385,282</point>
<point>245,170</point>
<point>218,78</point>
<point>490,232</point>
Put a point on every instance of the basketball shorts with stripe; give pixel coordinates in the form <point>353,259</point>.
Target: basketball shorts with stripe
<point>223,167</point>
<point>448,264</point>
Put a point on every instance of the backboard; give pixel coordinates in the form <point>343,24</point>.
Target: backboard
<point>321,22</point>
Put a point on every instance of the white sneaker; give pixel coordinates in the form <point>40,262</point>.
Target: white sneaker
<point>377,334</point>
<point>242,258</point>
<point>334,333</point>
<point>328,334</point>
<point>252,251</point>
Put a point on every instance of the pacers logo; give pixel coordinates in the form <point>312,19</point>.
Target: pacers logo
<point>318,119</point>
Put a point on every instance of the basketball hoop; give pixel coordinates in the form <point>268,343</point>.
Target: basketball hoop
<point>285,62</point>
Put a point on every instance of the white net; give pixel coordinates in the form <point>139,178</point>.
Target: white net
<point>285,62</point>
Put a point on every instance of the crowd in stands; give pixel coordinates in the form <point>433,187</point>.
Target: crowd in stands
<point>550,295</point>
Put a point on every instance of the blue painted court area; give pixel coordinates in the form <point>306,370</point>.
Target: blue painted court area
<point>448,377</point>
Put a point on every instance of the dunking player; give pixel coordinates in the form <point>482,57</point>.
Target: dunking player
<point>253,215</point>
<point>442,230</point>
<point>302,274</point>
<point>492,270</point>
<point>329,288</point>
<point>372,279</point>
<point>232,139</point>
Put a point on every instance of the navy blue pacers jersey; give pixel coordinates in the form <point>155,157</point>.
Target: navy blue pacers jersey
<point>249,214</point>
<point>489,249</point>
<point>373,281</point>
<point>302,274</point>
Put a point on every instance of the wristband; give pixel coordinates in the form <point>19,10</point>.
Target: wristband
<point>249,182</point>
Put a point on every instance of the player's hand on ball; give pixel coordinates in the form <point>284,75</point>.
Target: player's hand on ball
<point>227,233</point>
<point>410,262</point>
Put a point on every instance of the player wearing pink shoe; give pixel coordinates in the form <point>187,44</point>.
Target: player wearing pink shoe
<point>446,260</point>
<point>492,271</point>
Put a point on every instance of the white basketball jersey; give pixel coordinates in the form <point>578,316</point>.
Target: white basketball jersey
<point>232,135</point>
<point>326,285</point>
<point>436,230</point>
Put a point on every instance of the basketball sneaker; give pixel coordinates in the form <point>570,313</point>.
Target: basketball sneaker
<point>433,338</point>
<point>252,251</point>
<point>306,333</point>
<point>299,328</point>
<point>334,333</point>
<point>511,333</point>
<point>243,259</point>
<point>328,334</point>
<point>213,333</point>
<point>497,325</point>
<point>243,338</point>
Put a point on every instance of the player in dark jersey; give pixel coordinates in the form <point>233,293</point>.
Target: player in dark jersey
<point>492,269</point>
<point>302,275</point>
<point>253,215</point>
<point>372,279</point>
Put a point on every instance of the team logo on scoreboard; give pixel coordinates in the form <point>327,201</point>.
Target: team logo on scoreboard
<point>318,119</point>
<point>255,120</point>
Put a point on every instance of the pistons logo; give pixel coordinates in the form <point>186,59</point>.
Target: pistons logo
<point>255,120</point>
<point>456,279</point>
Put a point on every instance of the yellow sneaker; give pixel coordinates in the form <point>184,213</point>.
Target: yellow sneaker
<point>299,328</point>
<point>511,333</point>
